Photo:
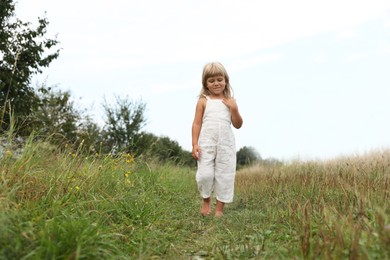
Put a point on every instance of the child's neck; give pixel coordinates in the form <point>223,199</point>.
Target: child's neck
<point>212,96</point>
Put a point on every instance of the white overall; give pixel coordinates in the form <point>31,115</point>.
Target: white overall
<point>217,161</point>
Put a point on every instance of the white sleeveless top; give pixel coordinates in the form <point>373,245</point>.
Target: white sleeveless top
<point>216,111</point>
<point>216,124</point>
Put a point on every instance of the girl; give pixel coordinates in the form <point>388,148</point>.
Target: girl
<point>213,143</point>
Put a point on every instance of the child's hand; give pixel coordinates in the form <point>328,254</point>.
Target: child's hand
<point>196,152</point>
<point>230,103</point>
<point>236,117</point>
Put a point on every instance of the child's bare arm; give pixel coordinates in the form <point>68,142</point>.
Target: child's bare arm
<point>196,126</point>
<point>236,116</point>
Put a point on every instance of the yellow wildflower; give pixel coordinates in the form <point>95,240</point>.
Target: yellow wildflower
<point>130,158</point>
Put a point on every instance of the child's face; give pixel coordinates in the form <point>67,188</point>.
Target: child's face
<point>216,85</point>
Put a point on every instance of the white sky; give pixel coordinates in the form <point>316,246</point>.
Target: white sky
<point>311,78</point>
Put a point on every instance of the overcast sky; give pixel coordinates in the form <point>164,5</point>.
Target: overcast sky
<point>311,78</point>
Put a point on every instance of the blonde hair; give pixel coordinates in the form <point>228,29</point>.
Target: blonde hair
<point>213,69</point>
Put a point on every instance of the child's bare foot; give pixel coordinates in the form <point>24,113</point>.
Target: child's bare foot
<point>205,210</point>
<point>218,214</point>
<point>219,209</point>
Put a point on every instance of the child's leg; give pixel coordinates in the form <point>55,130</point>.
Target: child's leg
<point>219,208</point>
<point>205,173</point>
<point>205,210</point>
<point>205,177</point>
<point>225,171</point>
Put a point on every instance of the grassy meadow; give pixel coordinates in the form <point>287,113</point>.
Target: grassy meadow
<point>57,203</point>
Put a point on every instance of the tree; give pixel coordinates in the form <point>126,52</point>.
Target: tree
<point>55,114</point>
<point>170,150</point>
<point>24,51</point>
<point>145,142</point>
<point>123,123</point>
<point>89,134</point>
<point>247,156</point>
<point>164,149</point>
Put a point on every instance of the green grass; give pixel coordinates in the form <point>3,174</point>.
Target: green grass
<point>56,203</point>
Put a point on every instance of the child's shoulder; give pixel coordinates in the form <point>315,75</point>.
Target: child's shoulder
<point>202,99</point>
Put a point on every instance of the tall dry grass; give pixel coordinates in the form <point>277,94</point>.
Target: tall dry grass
<point>336,208</point>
